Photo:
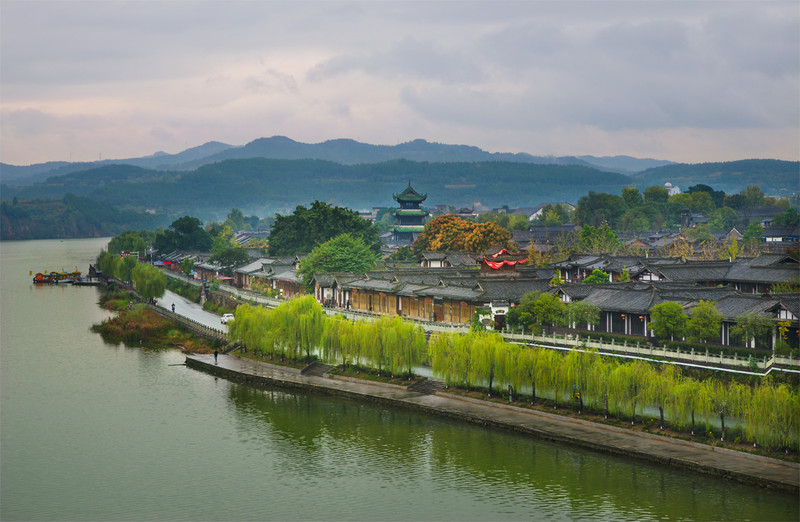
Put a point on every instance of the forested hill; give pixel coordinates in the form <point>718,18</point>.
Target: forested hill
<point>351,152</point>
<point>68,217</point>
<point>346,152</point>
<point>775,177</point>
<point>114,196</point>
<point>265,186</point>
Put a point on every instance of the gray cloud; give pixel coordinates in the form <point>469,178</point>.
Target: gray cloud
<point>142,76</point>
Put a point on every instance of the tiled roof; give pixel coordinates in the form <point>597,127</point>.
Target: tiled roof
<point>255,266</point>
<point>620,300</point>
<point>511,290</point>
<point>791,302</point>
<point>695,271</point>
<point>735,305</point>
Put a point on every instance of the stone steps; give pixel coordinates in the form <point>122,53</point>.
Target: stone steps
<point>426,386</point>
<point>316,369</point>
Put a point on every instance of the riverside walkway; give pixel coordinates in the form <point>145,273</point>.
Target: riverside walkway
<point>742,467</point>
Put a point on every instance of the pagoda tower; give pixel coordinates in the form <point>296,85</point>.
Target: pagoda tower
<point>409,218</point>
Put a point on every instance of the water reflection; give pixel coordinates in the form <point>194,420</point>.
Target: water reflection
<point>524,476</point>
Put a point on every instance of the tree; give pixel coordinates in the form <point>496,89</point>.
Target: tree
<point>787,217</point>
<point>125,268</point>
<point>344,253</point>
<point>223,240</point>
<point>668,320</point>
<point>632,196</point>
<point>704,322</point>
<point>752,236</point>
<point>131,241</point>
<point>518,222</point>
<point>597,277</point>
<point>599,208</point>
<point>656,194</point>
<point>449,232</point>
<point>149,281</point>
<point>752,329</point>
<point>230,258</point>
<point>723,218</point>
<point>582,314</point>
<point>187,266</point>
<point>404,253</point>
<point>751,197</point>
<point>536,310</point>
<point>599,240</point>
<point>717,196</point>
<point>185,233</point>
<point>235,219</point>
<point>696,202</point>
<point>307,228</point>
<point>557,214</point>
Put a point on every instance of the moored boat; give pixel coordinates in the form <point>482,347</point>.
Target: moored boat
<point>56,277</point>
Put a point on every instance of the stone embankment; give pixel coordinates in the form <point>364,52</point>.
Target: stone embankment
<point>742,467</point>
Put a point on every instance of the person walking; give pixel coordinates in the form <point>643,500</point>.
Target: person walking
<point>215,356</point>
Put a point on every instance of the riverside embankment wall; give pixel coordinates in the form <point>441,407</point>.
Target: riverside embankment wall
<point>734,465</point>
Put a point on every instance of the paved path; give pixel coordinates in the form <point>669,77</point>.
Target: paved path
<point>190,310</point>
<point>735,465</point>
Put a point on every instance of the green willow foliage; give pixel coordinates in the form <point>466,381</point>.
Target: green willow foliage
<point>297,329</point>
<point>770,412</point>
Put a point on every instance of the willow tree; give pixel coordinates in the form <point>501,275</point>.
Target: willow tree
<point>439,354</point>
<point>463,359</point>
<point>547,372</point>
<point>410,349</point>
<point>688,398</point>
<point>597,380</point>
<point>504,362</point>
<point>783,417</point>
<point>333,339</point>
<point>525,369</point>
<point>575,368</point>
<point>484,361</point>
<point>627,385</point>
<point>660,388</point>
<point>150,282</point>
<point>515,377</point>
<point>729,399</point>
<point>124,270</point>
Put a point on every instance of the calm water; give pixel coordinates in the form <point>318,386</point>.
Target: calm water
<point>92,431</point>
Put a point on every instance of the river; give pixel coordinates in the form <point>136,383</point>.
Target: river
<point>92,431</point>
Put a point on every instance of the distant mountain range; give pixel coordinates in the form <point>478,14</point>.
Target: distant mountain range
<point>274,175</point>
<point>343,151</point>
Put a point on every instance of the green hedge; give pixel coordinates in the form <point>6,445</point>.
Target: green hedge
<point>617,338</point>
<point>718,349</point>
<point>190,292</point>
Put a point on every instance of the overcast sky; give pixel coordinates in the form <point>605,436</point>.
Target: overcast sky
<point>688,81</point>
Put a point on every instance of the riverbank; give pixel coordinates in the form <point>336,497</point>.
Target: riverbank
<point>138,324</point>
<point>741,467</point>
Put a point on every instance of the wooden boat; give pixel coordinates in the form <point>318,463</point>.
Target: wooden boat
<point>56,277</point>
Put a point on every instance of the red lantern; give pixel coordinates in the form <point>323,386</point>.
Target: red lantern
<point>623,315</point>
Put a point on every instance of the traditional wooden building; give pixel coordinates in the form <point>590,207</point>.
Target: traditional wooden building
<point>410,217</point>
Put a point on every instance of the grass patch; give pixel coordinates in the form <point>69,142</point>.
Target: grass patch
<point>143,328</point>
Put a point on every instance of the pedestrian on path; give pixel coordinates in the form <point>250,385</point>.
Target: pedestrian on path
<point>215,356</point>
